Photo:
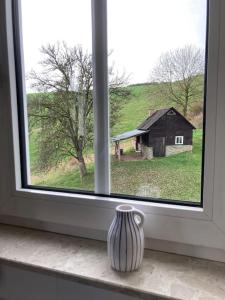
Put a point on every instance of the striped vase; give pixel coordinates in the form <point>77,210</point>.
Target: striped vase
<point>126,239</point>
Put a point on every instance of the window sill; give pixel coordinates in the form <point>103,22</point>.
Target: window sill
<point>83,260</point>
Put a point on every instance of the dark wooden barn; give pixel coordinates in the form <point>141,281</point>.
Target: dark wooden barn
<point>165,132</point>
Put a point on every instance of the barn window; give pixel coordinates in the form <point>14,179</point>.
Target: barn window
<point>179,140</point>
<point>171,113</point>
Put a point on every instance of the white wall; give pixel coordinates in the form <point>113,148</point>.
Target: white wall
<point>25,284</point>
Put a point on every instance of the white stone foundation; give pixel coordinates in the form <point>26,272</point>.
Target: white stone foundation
<point>171,150</point>
<point>147,152</point>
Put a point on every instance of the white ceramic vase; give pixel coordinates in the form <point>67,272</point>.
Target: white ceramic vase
<point>126,239</point>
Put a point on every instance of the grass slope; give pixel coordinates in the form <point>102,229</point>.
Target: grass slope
<point>143,98</point>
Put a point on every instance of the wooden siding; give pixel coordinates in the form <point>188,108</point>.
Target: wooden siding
<point>169,126</point>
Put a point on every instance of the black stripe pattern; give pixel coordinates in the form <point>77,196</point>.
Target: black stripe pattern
<point>126,239</point>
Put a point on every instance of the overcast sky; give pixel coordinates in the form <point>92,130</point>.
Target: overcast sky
<point>138,30</point>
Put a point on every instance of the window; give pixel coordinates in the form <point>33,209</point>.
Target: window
<point>161,63</point>
<point>186,226</point>
<point>179,140</point>
<point>58,147</point>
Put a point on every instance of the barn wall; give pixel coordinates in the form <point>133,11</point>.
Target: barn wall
<point>171,150</point>
<point>149,139</point>
<point>169,127</point>
<point>187,134</point>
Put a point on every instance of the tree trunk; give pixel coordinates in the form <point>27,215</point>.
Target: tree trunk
<point>185,111</point>
<point>185,107</point>
<point>82,165</point>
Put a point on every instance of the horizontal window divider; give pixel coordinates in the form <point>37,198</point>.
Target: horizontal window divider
<point>111,202</point>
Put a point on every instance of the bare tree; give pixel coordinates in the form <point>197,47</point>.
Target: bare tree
<point>62,110</point>
<point>178,73</point>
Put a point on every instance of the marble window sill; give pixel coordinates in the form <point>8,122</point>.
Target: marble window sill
<point>163,275</point>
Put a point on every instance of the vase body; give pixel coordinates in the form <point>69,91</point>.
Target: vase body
<point>126,239</point>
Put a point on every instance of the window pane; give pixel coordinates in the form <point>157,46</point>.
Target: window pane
<point>157,50</point>
<point>58,68</point>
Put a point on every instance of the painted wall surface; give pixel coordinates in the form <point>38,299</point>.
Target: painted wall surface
<point>24,284</point>
<point>147,152</point>
<point>171,150</point>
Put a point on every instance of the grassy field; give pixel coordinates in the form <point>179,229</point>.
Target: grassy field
<point>177,177</point>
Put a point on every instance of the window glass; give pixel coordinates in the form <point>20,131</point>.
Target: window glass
<point>156,121</point>
<point>59,103</point>
<point>156,53</point>
<point>179,140</point>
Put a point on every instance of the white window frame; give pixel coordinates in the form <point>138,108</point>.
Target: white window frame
<point>197,231</point>
<point>177,138</point>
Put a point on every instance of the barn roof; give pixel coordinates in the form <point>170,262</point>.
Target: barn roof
<point>157,115</point>
<point>153,118</point>
<point>128,134</point>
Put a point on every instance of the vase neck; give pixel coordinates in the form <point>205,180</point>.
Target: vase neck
<point>123,213</point>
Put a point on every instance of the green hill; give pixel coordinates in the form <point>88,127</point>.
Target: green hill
<point>145,97</point>
<point>136,109</point>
